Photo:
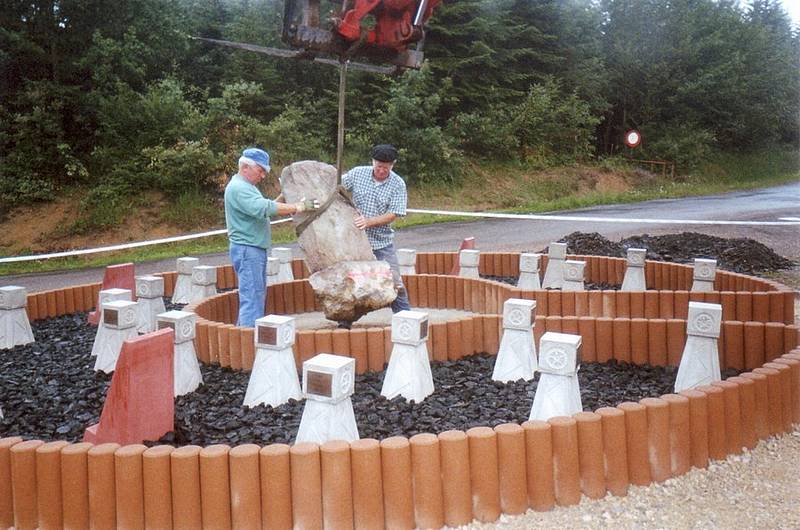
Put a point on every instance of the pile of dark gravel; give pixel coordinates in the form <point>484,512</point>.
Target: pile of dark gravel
<point>742,255</point>
<point>50,391</point>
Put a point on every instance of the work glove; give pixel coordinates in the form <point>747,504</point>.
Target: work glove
<point>307,204</point>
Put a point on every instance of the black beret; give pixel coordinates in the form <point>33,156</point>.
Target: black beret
<point>384,153</point>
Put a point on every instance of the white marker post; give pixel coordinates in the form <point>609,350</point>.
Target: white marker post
<point>186,370</point>
<point>705,270</point>
<point>407,260</point>
<point>119,323</point>
<point>150,301</point>
<point>573,275</point>
<point>15,328</point>
<point>554,272</point>
<point>328,383</point>
<point>273,380</point>
<point>108,295</point>
<point>284,255</point>
<point>409,371</point>
<point>468,261</point>
<point>634,280</point>
<point>558,392</point>
<point>700,360</point>
<point>204,283</point>
<point>516,358</point>
<point>183,284</point>
<point>529,272</point>
<point>273,270</point>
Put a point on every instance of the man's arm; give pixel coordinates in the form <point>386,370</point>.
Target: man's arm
<point>362,222</point>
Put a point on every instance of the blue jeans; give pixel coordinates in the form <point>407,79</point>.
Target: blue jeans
<point>250,264</point>
<point>389,255</point>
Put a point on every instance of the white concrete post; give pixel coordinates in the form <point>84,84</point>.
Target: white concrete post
<point>328,383</point>
<point>150,301</point>
<point>15,328</point>
<point>273,380</point>
<point>558,392</point>
<point>117,326</point>
<point>554,273</point>
<point>529,272</point>
<point>468,261</point>
<point>704,272</point>
<point>409,371</point>
<point>204,283</point>
<point>284,255</point>
<point>634,279</point>
<point>109,295</point>
<point>700,360</point>
<point>516,357</point>
<point>573,275</point>
<point>273,270</point>
<point>186,370</point>
<point>183,283</point>
<point>407,260</point>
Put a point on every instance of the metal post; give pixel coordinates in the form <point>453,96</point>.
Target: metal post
<point>340,131</point>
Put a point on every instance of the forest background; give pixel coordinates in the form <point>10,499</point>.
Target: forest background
<point>111,100</point>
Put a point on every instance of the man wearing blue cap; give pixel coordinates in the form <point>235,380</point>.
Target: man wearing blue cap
<point>380,197</point>
<point>247,215</point>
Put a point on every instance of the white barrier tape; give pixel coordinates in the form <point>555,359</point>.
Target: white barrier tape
<point>122,247</point>
<point>532,217</point>
<point>535,217</point>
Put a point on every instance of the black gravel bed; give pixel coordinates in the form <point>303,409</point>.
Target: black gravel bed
<point>743,255</point>
<point>49,391</point>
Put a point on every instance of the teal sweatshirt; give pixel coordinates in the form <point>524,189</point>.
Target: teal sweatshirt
<point>247,213</point>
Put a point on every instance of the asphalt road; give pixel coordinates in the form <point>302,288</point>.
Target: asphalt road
<point>769,204</point>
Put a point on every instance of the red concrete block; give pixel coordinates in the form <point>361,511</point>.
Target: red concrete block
<point>733,416</point>
<point>375,349</point>
<point>621,328</point>
<point>185,482</point>
<point>157,487</point>
<point>337,487</point>
<point>681,304</point>
<point>102,488</point>
<point>637,304</point>
<point>512,475</point>
<point>276,487</point>
<point>761,403</point>
<point>604,339</point>
<point>651,304</point>
<point>623,304</point>
<point>115,276</point>
<point>609,303</point>
<point>747,410</point>
<point>358,349</point>
<point>773,341</point>
<point>744,306</point>
<point>307,485</point>
<point>48,485</point>
<point>427,481</point>
<point>368,512</point>
<point>539,465</point>
<point>753,345</point>
<point>567,303</point>
<point>717,439</point>
<point>128,486</point>
<point>680,440</point>
<point>566,467</point>
<point>658,438</point>
<point>595,303</point>
<point>552,324</point>
<point>215,486</point>
<point>467,336</point>
<point>570,325</point>
<point>484,476</point>
<point>74,485</point>
<point>676,340</point>
<point>590,454</point>
<point>323,341</point>
<point>586,329</point>
<point>666,304</point>
<point>456,490</point>
<point>235,347</point>
<point>637,443</point>
<point>794,386</point>
<point>491,333</point>
<point>398,497</point>
<point>775,397</point>
<point>245,487</point>
<point>639,341</point>
<point>733,353</point>
<point>698,423</point>
<point>139,405</point>
<point>6,494</point>
<point>615,453</point>
<point>247,347</point>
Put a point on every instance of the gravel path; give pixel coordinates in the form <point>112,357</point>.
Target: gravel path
<point>756,489</point>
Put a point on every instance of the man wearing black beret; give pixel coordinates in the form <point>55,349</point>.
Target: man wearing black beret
<point>380,197</point>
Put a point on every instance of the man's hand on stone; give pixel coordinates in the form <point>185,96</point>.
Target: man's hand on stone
<point>360,221</point>
<point>306,205</point>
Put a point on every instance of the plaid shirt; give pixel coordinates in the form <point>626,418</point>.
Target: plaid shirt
<point>373,198</point>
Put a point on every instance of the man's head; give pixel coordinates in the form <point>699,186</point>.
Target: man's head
<point>383,158</point>
<point>254,164</point>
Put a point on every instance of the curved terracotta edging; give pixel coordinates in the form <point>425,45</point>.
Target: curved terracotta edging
<point>489,471</point>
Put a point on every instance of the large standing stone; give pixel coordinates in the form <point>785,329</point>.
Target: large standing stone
<point>347,280</point>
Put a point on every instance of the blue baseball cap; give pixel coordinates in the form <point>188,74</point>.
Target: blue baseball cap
<point>259,156</point>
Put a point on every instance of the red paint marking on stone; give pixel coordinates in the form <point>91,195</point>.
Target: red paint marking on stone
<point>119,277</point>
<point>139,405</point>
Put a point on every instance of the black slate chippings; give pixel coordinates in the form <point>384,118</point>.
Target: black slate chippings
<point>51,392</point>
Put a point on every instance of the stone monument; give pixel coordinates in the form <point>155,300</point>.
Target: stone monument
<point>468,262</point>
<point>204,283</point>
<point>634,279</point>
<point>704,272</point>
<point>15,329</point>
<point>409,371</point>
<point>117,326</point>
<point>554,273</point>
<point>183,283</point>
<point>273,380</point>
<point>186,369</point>
<point>516,358</point>
<point>328,383</point>
<point>573,275</point>
<point>150,301</point>
<point>347,280</point>
<point>700,360</point>
<point>529,272</point>
<point>558,392</point>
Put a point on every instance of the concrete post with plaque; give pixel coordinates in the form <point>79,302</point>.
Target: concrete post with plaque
<point>516,358</point>
<point>284,255</point>
<point>273,270</point>
<point>15,328</point>
<point>328,383</point>
<point>273,380</point>
<point>204,283</point>
<point>634,279</point>
<point>183,282</point>
<point>150,301</point>
<point>468,261</point>
<point>558,392</point>
<point>119,322</point>
<point>573,275</point>
<point>529,272</point>
<point>105,296</point>
<point>186,370</point>
<point>554,272</point>
<point>704,272</point>
<point>407,260</point>
<point>409,371</point>
<point>700,360</point>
